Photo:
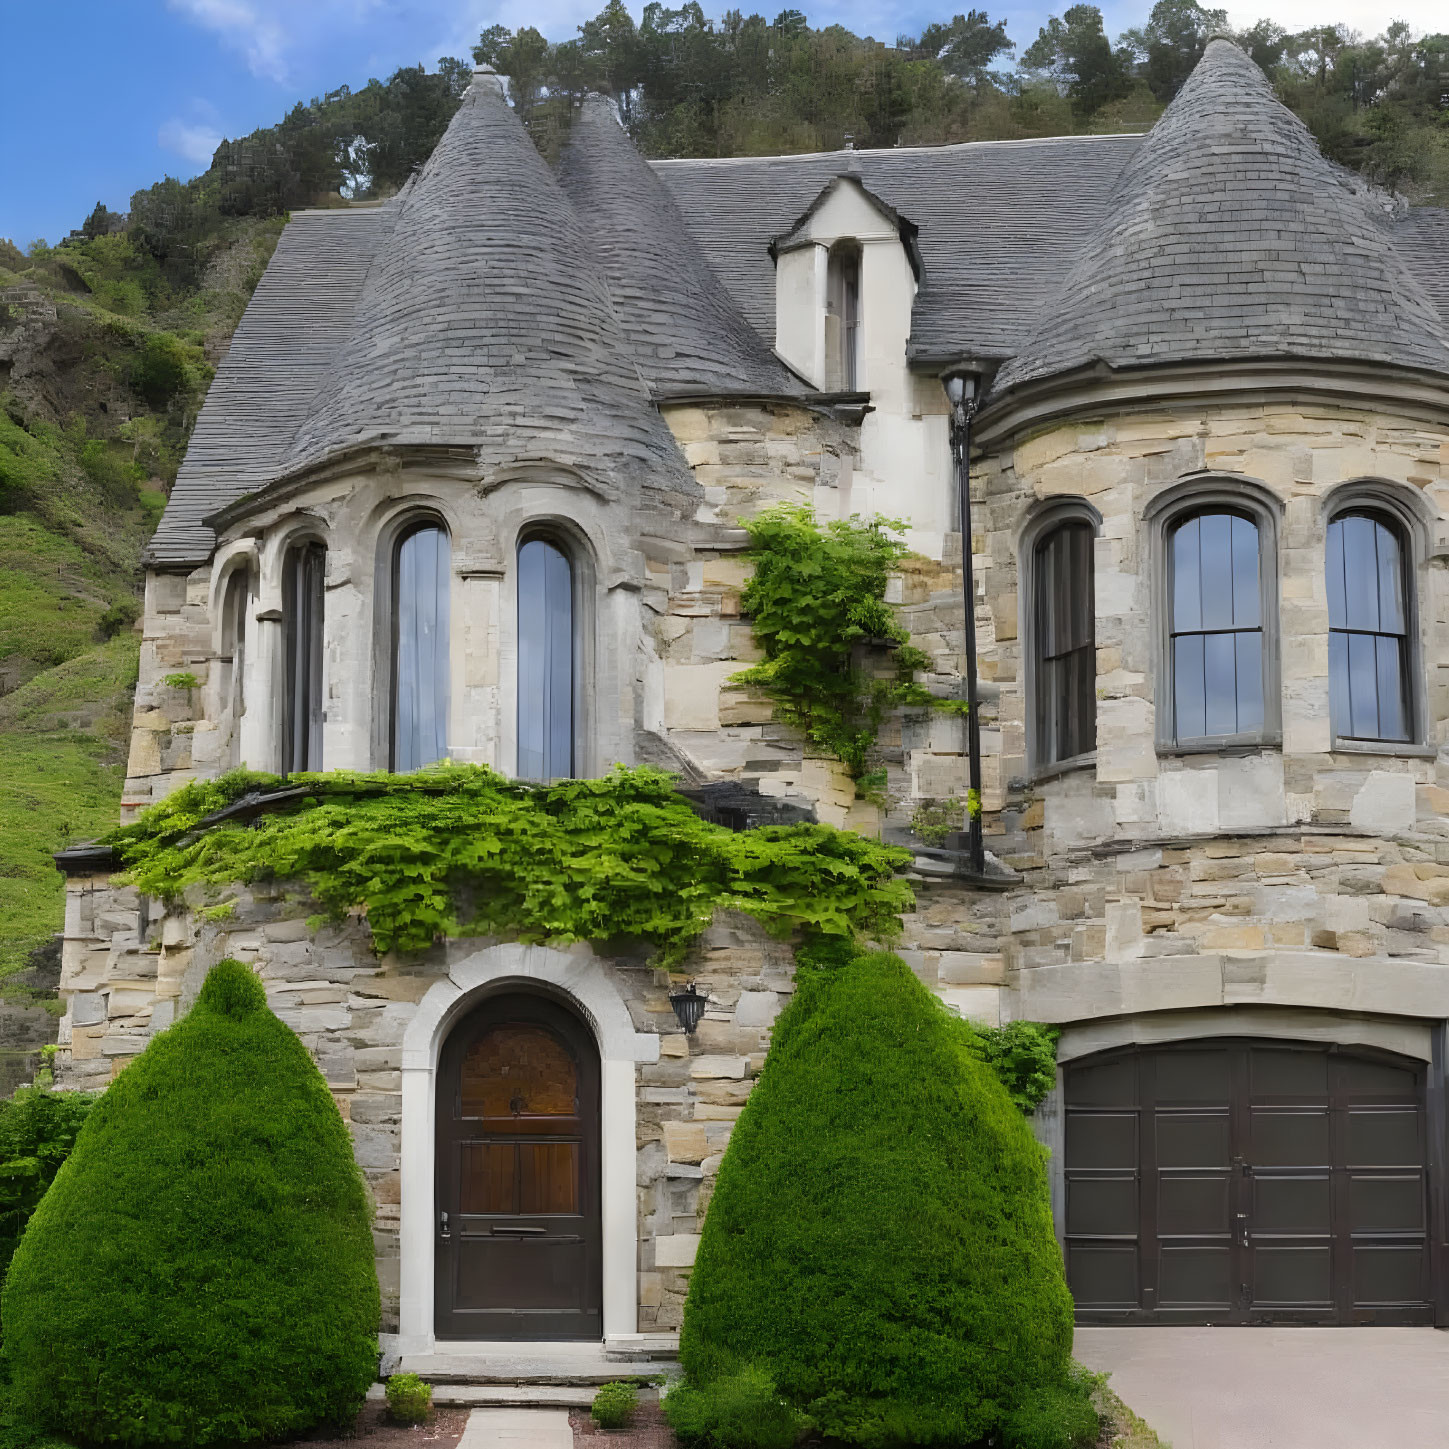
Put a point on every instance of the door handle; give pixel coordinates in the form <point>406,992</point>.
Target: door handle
<point>443,1231</point>
<point>519,1232</point>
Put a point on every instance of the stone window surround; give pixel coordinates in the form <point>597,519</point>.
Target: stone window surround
<point>408,517</point>
<point>576,979</point>
<point>241,557</point>
<point>297,532</point>
<point>1041,519</point>
<point>1405,510</point>
<point>1195,495</point>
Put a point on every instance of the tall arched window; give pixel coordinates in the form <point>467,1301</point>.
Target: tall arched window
<point>1064,677</point>
<point>546,653</point>
<point>420,583</point>
<point>1369,628</point>
<point>303,576</point>
<point>1216,654</point>
<point>842,318</point>
<point>236,603</point>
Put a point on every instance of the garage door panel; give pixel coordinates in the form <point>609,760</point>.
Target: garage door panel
<point>1192,1076</point>
<point>1192,1140</point>
<point>1292,1276</point>
<point>1297,1204</point>
<point>1104,1275</point>
<point>1380,1137</point>
<point>1389,1273</point>
<point>1281,1138</point>
<point>1190,1205</point>
<point>1103,1206</point>
<point>1366,1077</point>
<point>1102,1140</point>
<point>1195,1277</point>
<point>1288,1076</point>
<point>1386,1204</point>
<point>1104,1084</point>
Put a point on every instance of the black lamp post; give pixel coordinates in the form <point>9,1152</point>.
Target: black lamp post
<point>960,387</point>
<point>689,1006</point>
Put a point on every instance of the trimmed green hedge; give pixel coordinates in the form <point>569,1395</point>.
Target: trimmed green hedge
<point>879,1243</point>
<point>201,1270</point>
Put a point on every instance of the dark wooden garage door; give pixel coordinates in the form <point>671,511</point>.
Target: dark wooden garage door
<point>1246,1182</point>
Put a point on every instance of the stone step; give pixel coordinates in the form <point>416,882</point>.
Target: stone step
<point>514,1396</point>
<point>568,1365</point>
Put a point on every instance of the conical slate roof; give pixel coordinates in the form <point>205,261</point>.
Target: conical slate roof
<point>687,332</point>
<point>482,323</point>
<point>1228,236</point>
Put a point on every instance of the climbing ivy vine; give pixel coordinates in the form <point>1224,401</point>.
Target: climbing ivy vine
<point>459,849</point>
<point>817,593</point>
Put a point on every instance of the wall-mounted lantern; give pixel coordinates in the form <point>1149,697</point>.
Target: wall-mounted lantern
<point>689,1006</point>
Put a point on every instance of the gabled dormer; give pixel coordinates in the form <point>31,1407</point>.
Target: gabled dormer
<point>845,278</point>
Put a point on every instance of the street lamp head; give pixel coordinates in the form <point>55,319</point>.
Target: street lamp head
<point>960,388</point>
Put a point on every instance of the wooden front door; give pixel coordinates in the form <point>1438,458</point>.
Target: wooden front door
<point>519,1240</point>
<point>1247,1182</point>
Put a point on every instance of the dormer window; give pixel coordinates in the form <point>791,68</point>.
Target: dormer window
<point>842,318</point>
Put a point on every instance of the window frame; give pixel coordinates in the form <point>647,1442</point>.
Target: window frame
<point>400,531</point>
<point>1041,523</point>
<point>579,573</point>
<point>845,260</point>
<point>237,603</point>
<point>1403,513</point>
<point>297,545</point>
<point>1162,516</point>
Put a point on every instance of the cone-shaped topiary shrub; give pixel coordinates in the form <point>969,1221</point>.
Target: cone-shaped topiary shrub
<point>880,1241</point>
<point>201,1270</point>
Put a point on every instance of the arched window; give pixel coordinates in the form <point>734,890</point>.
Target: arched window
<point>842,318</point>
<point>1064,676</point>
<point>236,602</point>
<point>1216,653</point>
<point>420,583</point>
<point>303,576</point>
<point>1369,628</point>
<point>546,653</point>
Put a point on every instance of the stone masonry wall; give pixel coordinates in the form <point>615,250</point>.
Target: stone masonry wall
<point>127,974</point>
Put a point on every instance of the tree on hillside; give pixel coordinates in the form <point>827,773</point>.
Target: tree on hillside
<point>965,47</point>
<point>1074,52</point>
<point>1172,43</point>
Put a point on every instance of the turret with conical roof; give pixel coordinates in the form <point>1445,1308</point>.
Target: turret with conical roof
<point>687,332</point>
<point>1229,237</point>
<point>483,323</point>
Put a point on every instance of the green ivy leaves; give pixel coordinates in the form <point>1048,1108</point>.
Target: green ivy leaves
<point>458,849</point>
<point>817,593</point>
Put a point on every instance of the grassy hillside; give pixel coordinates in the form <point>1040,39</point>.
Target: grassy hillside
<point>104,360</point>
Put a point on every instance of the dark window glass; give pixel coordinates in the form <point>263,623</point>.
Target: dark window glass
<point>545,662</point>
<point>1066,653</point>
<point>1217,626</point>
<point>420,649</point>
<point>302,608</point>
<point>1368,629</point>
<point>842,317</point>
<point>233,660</point>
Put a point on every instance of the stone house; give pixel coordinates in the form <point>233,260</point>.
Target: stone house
<point>469,483</point>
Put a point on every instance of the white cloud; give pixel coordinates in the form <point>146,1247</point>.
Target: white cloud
<point>196,143</point>
<point>269,33</point>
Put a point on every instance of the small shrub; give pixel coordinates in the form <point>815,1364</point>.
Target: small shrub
<point>214,1210</point>
<point>613,1405</point>
<point>159,373</point>
<point>1058,1416</point>
<point>1023,1054</point>
<point>409,1399</point>
<point>119,616</point>
<point>742,1410</point>
<point>186,680</point>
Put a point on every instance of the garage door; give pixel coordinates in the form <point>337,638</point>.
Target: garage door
<point>1245,1182</point>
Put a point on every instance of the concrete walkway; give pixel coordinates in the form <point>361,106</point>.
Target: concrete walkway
<point>1280,1388</point>
<point>517,1429</point>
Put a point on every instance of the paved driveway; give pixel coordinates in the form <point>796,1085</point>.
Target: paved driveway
<point>1280,1388</point>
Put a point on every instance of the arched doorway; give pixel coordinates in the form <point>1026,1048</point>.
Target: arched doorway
<point>1247,1181</point>
<point>519,1240</point>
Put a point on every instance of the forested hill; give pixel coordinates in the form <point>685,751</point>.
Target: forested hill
<point>108,339</point>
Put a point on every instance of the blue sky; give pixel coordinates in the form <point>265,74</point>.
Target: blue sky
<point>103,97</point>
